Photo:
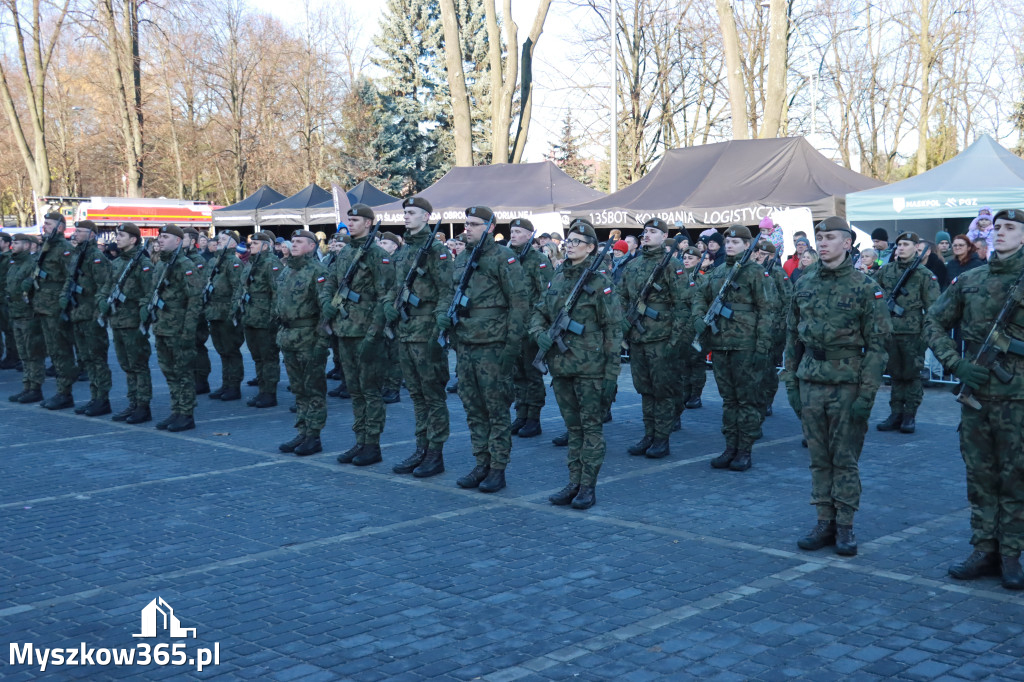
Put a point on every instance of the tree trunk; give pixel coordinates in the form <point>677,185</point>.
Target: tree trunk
<point>463,122</point>
<point>778,61</point>
<point>123,59</point>
<point>926,67</point>
<point>734,69</point>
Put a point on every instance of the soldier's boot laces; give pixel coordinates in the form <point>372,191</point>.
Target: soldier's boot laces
<point>310,445</point>
<point>561,440</point>
<point>517,424</point>
<point>909,423</point>
<point>123,414</point>
<point>530,429</point>
<point>473,478</point>
<point>292,444</point>
<point>822,535</point>
<point>350,454</point>
<point>725,459</point>
<point>565,495</point>
<point>741,462</point>
<point>98,408</point>
<point>641,446</point>
<point>846,541</point>
<point>585,498</point>
<point>978,565</point>
<point>432,464</point>
<point>1013,576</point>
<point>891,423</point>
<point>407,465</point>
<point>494,482</point>
<point>370,454</point>
<point>659,449</point>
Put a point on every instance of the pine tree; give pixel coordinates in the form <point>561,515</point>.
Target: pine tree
<point>566,155</point>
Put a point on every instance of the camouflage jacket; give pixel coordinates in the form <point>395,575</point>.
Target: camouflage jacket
<point>837,329</point>
<point>93,276</point>
<point>430,285</point>
<point>20,268</point>
<point>971,302</point>
<point>752,304</point>
<point>922,291</point>
<point>303,303</point>
<point>783,295</point>
<point>670,298</point>
<point>53,261</point>
<point>497,298</point>
<point>537,274</point>
<point>5,266</point>
<point>373,279</point>
<point>182,294</point>
<point>258,279</point>
<point>225,275</point>
<point>594,353</point>
<point>137,288</point>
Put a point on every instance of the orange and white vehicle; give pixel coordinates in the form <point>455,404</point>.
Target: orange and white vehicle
<point>148,214</point>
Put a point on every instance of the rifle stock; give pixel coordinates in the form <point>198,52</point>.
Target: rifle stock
<point>156,301</point>
<point>406,298</point>
<point>460,301</point>
<point>719,307</point>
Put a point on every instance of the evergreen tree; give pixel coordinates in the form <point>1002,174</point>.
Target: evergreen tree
<point>566,155</point>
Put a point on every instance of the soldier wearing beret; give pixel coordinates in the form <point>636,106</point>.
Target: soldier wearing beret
<point>583,378</point>
<point>359,326</point>
<point>134,270</point>
<point>337,242</point>
<point>202,367</point>
<point>907,345</point>
<point>661,340</point>
<point>44,289</point>
<point>253,312</point>
<point>424,363</point>
<point>223,278</point>
<point>88,273</point>
<point>837,331</point>
<point>391,382</point>
<point>9,346</point>
<point>303,307</point>
<point>694,374</point>
<point>26,326</point>
<point>991,438</point>
<point>527,380</point>
<point>175,326</point>
<point>487,340</point>
<point>776,277</point>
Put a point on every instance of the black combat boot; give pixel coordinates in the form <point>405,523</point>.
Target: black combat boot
<point>694,403</point>
<point>16,397</point>
<point>217,393</point>
<point>909,423</point>
<point>390,397</point>
<point>891,423</point>
<point>292,444</point>
<point>725,459</point>
<point>678,425</point>
<point>822,535</point>
<point>517,424</point>
<point>407,465</point>
<point>370,454</point>
<point>98,408</point>
<point>741,462</point>
<point>530,429</point>
<point>123,414</point>
<point>585,498</point>
<point>350,454</point>
<point>341,391</point>
<point>294,408</point>
<point>607,416</point>
<point>565,495</point>
<point>59,401</point>
<point>255,381</point>
<point>641,446</point>
<point>1013,576</point>
<point>164,423</point>
<point>846,542</point>
<point>202,386</point>
<point>494,482</point>
<point>561,441</point>
<point>310,445</point>
<point>432,464</point>
<point>82,408</point>
<point>473,478</point>
<point>230,393</point>
<point>33,395</point>
<point>184,422</point>
<point>978,565</point>
<point>658,450</point>
<point>263,400</point>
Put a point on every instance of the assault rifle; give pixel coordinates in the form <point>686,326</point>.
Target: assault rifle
<point>901,288</point>
<point>345,292</point>
<point>997,343</point>
<point>244,297</point>
<point>563,321</point>
<point>526,249</point>
<point>72,287</point>
<point>639,308</point>
<point>39,274</point>
<point>718,307</point>
<point>208,289</point>
<point>116,294</point>
<point>156,301</point>
<point>460,301</point>
<point>405,297</point>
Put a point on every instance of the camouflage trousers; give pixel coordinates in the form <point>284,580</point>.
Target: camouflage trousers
<point>834,440</point>
<point>202,355</point>
<point>992,445</point>
<point>425,368</point>
<point>60,347</point>
<point>658,393</point>
<point>906,362</point>
<point>694,373</point>
<point>176,357</point>
<point>580,402</point>
<point>305,370</point>
<point>262,344</point>
<point>7,328</point>
<point>27,334</point>
<point>486,393</point>
<point>770,379</point>
<point>528,383</point>
<point>93,346</point>
<point>392,379</point>
<point>364,377</point>
<point>227,341</point>
<point>132,350</point>
<point>741,390</point>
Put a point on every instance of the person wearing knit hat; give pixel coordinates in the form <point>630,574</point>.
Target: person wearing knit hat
<point>772,233</point>
<point>837,330</point>
<point>46,287</point>
<point>740,347</point>
<point>943,242</point>
<point>224,278</point>
<point>715,243</point>
<point>25,325</point>
<point>252,311</point>
<point>620,257</point>
<point>982,227</point>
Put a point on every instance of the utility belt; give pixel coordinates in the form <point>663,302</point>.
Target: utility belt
<point>741,307</point>
<point>298,324</point>
<point>1014,347</point>
<point>836,354</point>
<point>423,309</point>
<point>484,313</point>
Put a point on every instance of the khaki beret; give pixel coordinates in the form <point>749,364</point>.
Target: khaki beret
<point>191,232</point>
<point>231,233</point>
<point>738,232</point>
<point>130,228</point>
<point>390,236</point>
<point>304,233</point>
<point>1014,214</point>
<point>264,237</point>
<point>766,246</point>
<point>53,215</point>
<point>173,229</point>
<point>482,212</point>
<point>909,236</point>
<point>23,237</point>
<point>834,224</point>
<point>86,225</point>
<point>361,210</point>
<point>523,223</point>
<point>691,251</point>
<point>418,202</point>
<point>583,227</point>
<point>657,224</point>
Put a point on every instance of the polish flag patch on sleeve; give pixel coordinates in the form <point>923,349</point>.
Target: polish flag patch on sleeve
<point>188,272</point>
<point>321,279</point>
<point>98,260</point>
<point>607,290</point>
<point>933,276</point>
<point>443,256</point>
<point>878,294</point>
<point>275,268</point>
<point>767,274</point>
<point>235,265</point>
<point>679,272</point>
<point>385,261</point>
<point>542,266</point>
<point>954,280</point>
<point>145,269</point>
<point>511,260</point>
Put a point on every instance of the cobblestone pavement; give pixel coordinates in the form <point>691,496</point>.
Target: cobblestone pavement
<point>304,569</point>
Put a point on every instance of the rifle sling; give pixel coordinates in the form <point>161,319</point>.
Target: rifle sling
<point>1016,347</point>
<point>484,313</point>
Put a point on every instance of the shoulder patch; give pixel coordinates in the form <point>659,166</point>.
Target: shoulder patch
<point>321,279</point>
<point>199,266</point>
<point>878,294</point>
<point>98,260</point>
<point>785,277</point>
<point>607,290</point>
<point>235,265</point>
<point>542,266</point>
<point>275,268</point>
<point>443,256</point>
<point>954,280</point>
<point>933,276</point>
<point>188,272</point>
<point>67,253</point>
<point>511,260</point>
<point>693,284</point>
<point>145,268</point>
<point>680,271</point>
<point>385,261</point>
<point>767,274</point>
<point>549,285</point>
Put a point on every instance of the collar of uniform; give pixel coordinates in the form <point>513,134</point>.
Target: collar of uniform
<point>1011,263</point>
<point>844,268</point>
<point>654,251</point>
<point>418,238</point>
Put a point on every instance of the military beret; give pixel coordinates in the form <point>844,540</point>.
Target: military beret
<point>657,224</point>
<point>23,237</point>
<point>130,228</point>
<point>231,233</point>
<point>418,202</point>
<point>54,215</point>
<point>461,237</point>
<point>361,210</point>
<point>305,233</point>
<point>482,212</point>
<point>86,225</point>
<point>583,227</point>
<point>264,237</point>
<point>172,229</point>
<point>523,223</point>
<point>766,246</point>
<point>738,232</point>
<point>1014,214</point>
<point>390,236</point>
<point>834,224</point>
<point>909,236</point>
<point>692,251</point>
<point>191,232</point>
<point>5,237</point>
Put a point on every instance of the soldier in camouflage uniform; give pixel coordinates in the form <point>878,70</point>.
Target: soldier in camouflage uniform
<point>253,308</point>
<point>91,340</point>
<point>907,345</point>
<point>584,377</point>
<point>359,326</point>
<point>26,325</point>
<point>775,277</point>
<point>337,242</point>
<point>837,332</point>
<point>694,374</point>
<point>202,366</point>
<point>526,379</point>
<point>44,290</point>
<point>488,338</point>
<point>223,279</point>
<point>661,341</point>
<point>10,360</point>
<point>175,326</point>
<point>992,438</point>
<point>303,307</point>
<point>424,362</point>
<point>131,348</point>
<point>391,381</point>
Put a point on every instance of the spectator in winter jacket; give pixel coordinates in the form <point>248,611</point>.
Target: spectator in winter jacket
<point>981,228</point>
